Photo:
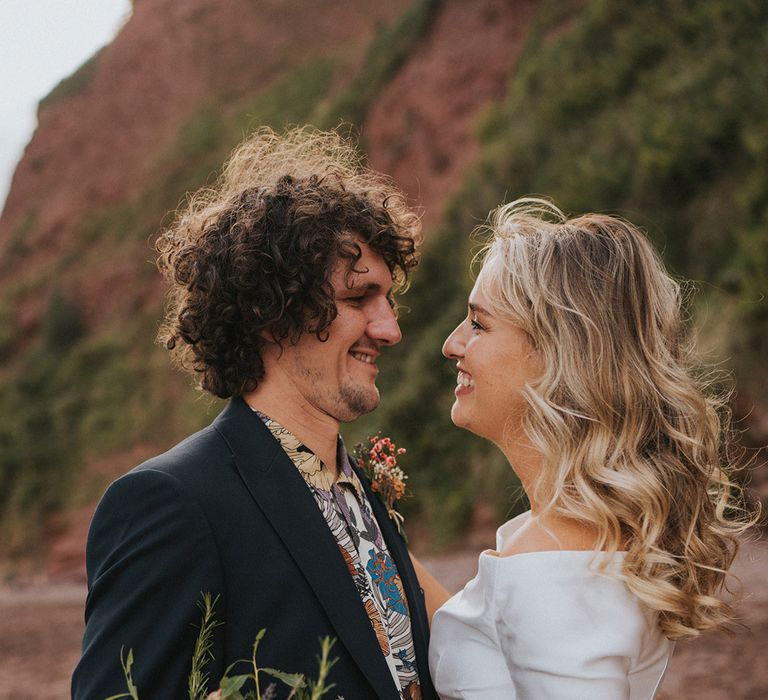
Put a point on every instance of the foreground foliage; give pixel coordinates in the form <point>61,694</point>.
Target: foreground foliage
<point>233,686</point>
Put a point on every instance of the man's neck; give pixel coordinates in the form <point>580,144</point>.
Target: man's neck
<point>318,431</point>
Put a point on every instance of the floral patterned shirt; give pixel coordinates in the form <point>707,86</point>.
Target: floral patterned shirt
<point>346,509</point>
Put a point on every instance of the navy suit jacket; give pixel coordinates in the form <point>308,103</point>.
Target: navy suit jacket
<point>226,512</point>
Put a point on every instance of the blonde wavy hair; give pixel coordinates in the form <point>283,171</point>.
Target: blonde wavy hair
<point>634,443</point>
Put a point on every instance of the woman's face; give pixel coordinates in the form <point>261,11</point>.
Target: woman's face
<point>495,361</point>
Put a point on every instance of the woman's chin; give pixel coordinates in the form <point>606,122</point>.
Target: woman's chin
<point>461,420</point>
<point>458,418</point>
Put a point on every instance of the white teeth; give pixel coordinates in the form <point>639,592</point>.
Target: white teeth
<point>362,357</point>
<point>464,380</point>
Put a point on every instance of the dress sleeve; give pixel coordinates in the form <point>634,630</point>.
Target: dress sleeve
<point>150,557</point>
<point>564,631</point>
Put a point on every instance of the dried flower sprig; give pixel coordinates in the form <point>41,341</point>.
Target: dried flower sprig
<point>379,464</point>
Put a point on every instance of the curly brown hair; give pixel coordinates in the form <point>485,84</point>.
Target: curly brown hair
<point>255,253</point>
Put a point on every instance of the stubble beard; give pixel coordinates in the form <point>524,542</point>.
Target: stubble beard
<point>357,401</point>
<point>345,403</point>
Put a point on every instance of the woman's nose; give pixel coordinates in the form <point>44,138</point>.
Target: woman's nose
<point>453,347</point>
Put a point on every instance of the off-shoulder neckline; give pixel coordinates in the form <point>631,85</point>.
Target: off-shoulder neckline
<point>493,555</point>
<point>512,525</point>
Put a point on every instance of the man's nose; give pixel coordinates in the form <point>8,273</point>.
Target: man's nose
<point>383,325</point>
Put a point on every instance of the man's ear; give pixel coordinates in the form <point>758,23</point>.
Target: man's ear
<point>267,337</point>
<point>271,347</point>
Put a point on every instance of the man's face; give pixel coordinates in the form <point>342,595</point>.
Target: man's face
<point>338,377</point>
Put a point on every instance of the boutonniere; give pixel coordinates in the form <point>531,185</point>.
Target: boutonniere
<point>379,464</point>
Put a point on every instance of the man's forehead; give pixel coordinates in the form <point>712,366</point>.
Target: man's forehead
<point>369,270</point>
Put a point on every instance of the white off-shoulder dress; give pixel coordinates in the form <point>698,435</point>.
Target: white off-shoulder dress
<point>546,625</point>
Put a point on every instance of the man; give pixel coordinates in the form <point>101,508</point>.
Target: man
<point>282,282</point>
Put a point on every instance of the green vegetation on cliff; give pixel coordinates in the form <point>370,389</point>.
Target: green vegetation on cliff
<point>655,110</point>
<point>76,394</point>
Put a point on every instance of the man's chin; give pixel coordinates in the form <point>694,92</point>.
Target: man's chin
<point>357,402</point>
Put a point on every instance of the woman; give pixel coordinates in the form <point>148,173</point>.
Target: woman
<point>572,361</point>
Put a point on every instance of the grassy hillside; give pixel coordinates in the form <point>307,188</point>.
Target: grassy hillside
<point>655,110</point>
<point>77,393</point>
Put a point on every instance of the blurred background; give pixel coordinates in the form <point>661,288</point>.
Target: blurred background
<point>657,111</point>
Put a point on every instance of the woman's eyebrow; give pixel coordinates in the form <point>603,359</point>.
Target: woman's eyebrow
<point>477,309</point>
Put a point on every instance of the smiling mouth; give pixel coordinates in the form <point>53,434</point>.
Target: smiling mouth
<point>464,380</point>
<point>364,358</point>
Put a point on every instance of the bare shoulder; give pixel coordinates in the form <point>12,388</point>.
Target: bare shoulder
<point>550,535</point>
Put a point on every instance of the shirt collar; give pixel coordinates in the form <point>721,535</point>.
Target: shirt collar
<point>310,466</point>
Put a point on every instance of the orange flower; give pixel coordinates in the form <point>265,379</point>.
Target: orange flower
<point>379,462</point>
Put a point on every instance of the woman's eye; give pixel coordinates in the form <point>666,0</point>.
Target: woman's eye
<point>475,325</point>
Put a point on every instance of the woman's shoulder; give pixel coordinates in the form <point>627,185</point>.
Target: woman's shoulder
<point>537,590</point>
<point>540,572</point>
<point>544,566</point>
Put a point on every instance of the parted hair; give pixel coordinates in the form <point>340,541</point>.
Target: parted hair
<point>254,254</point>
<point>634,441</point>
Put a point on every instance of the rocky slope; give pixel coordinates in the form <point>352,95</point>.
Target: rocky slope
<point>100,132</point>
<point>75,229</point>
<point>464,103</point>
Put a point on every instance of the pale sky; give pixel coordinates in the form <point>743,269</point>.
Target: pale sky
<point>41,42</point>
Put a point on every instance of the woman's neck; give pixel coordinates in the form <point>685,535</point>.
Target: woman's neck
<point>526,463</point>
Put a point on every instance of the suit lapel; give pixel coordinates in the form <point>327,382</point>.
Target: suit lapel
<point>279,490</point>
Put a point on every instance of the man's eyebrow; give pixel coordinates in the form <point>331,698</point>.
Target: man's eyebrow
<point>367,287</point>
